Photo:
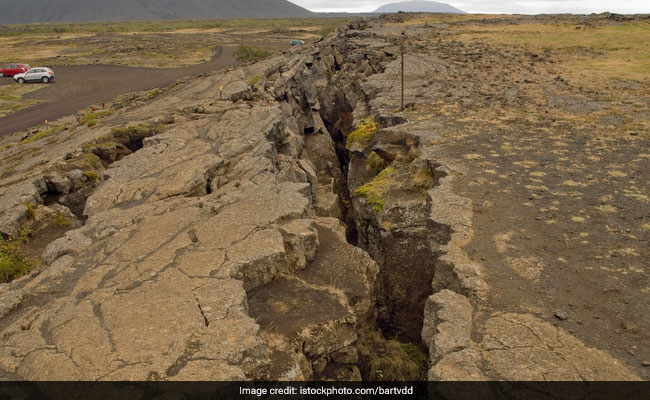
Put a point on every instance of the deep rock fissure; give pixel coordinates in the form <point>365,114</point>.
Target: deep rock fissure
<point>406,256</point>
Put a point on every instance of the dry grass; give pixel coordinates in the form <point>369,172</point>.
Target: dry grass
<point>159,44</point>
<point>390,360</point>
<point>605,51</point>
<point>11,97</point>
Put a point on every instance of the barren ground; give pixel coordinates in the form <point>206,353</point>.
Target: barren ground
<point>550,119</point>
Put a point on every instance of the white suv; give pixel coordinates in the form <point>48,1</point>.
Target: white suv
<point>39,74</point>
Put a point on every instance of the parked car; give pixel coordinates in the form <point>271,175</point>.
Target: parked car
<point>13,69</point>
<point>296,42</point>
<point>40,74</point>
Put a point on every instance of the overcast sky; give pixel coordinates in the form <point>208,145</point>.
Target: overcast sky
<point>496,6</point>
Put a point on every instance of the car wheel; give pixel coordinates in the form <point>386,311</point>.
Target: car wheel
<point>21,80</point>
<point>1,75</point>
<point>45,79</point>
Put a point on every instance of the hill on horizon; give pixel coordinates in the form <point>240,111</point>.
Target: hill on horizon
<point>419,6</point>
<point>35,11</point>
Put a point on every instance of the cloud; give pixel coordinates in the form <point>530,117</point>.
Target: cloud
<point>496,6</point>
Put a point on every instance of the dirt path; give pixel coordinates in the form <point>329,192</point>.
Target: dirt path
<point>79,86</point>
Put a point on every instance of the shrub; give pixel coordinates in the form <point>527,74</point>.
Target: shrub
<point>250,53</point>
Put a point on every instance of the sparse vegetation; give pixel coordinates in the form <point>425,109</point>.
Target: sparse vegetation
<point>165,26</point>
<point>364,132</point>
<point>390,360</point>
<point>327,29</point>
<point>13,264</point>
<point>616,51</point>
<point>88,161</point>
<point>31,212</point>
<point>92,118</point>
<point>60,220</point>
<point>423,179</point>
<point>375,190</point>
<point>247,53</point>
<point>91,175</point>
<point>41,134</point>
<point>134,132</point>
<point>11,98</point>
<point>376,163</point>
<point>254,80</point>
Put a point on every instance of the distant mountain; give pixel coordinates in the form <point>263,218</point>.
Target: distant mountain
<point>30,11</point>
<point>419,6</point>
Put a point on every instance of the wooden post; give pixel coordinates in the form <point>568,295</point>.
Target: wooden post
<point>402,54</point>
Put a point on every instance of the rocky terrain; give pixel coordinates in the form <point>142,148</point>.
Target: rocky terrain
<point>262,233</point>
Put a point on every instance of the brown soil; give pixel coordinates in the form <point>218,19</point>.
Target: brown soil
<point>558,177</point>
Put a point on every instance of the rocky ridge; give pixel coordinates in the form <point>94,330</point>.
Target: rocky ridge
<point>213,247</point>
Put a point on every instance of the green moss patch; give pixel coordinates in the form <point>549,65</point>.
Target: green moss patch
<point>363,134</point>
<point>375,190</point>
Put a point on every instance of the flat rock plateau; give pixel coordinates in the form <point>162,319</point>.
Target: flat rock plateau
<point>261,232</point>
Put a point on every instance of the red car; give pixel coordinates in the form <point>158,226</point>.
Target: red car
<point>13,69</point>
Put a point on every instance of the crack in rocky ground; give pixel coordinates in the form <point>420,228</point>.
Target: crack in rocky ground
<point>256,238</point>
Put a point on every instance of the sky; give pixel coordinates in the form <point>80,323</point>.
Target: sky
<point>495,6</point>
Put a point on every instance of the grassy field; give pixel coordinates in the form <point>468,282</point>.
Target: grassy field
<point>607,51</point>
<point>160,44</point>
<point>11,98</point>
<point>168,26</point>
<point>157,44</point>
<point>600,48</point>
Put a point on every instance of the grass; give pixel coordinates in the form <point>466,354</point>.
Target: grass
<point>11,97</point>
<point>375,190</point>
<point>610,51</point>
<point>247,53</point>
<point>376,163</point>
<point>327,29</point>
<point>92,118</point>
<point>165,26</point>
<point>88,161</point>
<point>60,220</point>
<point>390,360</point>
<point>132,132</point>
<point>31,212</point>
<point>41,134</point>
<point>13,264</point>
<point>363,134</point>
<point>254,80</point>
<point>157,44</point>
